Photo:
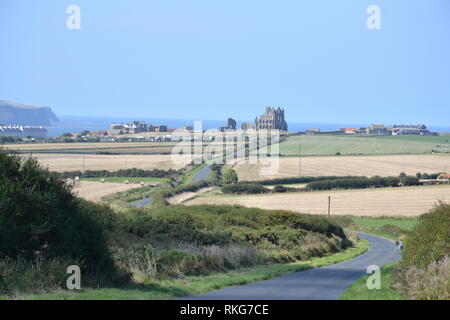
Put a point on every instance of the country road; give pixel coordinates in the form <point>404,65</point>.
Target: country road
<point>326,283</point>
<point>202,174</point>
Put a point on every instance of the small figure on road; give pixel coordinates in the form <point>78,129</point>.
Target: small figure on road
<point>401,245</point>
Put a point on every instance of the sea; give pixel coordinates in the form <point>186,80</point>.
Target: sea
<point>77,124</point>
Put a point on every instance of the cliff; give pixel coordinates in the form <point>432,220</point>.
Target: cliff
<point>14,113</point>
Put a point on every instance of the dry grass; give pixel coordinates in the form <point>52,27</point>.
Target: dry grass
<point>408,201</point>
<point>71,162</point>
<point>349,165</point>
<point>96,190</point>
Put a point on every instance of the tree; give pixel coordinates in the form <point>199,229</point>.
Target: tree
<point>229,176</point>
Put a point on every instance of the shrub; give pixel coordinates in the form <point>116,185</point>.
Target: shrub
<point>244,188</point>
<point>430,240</point>
<point>410,181</point>
<point>354,183</point>
<point>38,213</point>
<point>429,283</point>
<point>229,176</point>
<point>280,188</point>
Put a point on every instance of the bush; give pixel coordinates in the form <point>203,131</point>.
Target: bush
<point>430,240</point>
<point>229,176</point>
<point>296,180</point>
<point>410,181</point>
<point>280,188</point>
<point>354,183</point>
<point>429,283</point>
<point>244,188</point>
<point>128,173</point>
<point>39,214</point>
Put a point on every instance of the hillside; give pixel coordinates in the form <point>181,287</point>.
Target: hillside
<point>14,113</point>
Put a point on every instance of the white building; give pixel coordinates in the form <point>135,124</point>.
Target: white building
<point>23,131</point>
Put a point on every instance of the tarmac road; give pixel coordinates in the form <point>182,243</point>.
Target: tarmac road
<point>326,283</point>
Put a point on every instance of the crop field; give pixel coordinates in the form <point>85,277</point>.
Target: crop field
<point>76,162</point>
<point>90,190</point>
<point>369,166</point>
<point>408,201</point>
<point>325,145</point>
<point>112,147</point>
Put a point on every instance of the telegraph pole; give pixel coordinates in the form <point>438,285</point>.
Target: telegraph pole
<point>329,206</point>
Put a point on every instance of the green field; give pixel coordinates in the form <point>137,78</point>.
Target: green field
<point>123,179</point>
<point>359,290</point>
<point>388,227</point>
<point>324,145</point>
<point>405,224</point>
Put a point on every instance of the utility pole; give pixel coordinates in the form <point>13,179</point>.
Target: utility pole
<point>329,206</point>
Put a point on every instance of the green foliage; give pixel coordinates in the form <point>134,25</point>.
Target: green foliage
<point>280,188</point>
<point>430,240</point>
<point>38,214</point>
<point>297,180</point>
<point>244,188</point>
<point>229,176</point>
<point>362,183</point>
<point>128,173</point>
<point>198,240</point>
<point>410,181</point>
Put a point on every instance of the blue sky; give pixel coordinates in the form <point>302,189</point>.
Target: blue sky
<point>203,59</point>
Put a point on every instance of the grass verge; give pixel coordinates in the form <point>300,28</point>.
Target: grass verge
<point>171,289</point>
<point>359,290</point>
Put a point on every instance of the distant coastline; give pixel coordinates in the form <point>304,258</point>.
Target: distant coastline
<point>76,124</point>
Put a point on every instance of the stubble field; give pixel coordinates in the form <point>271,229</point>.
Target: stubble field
<point>407,201</point>
<point>74,162</point>
<point>391,165</point>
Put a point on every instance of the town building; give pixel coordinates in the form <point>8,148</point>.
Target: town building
<point>272,119</point>
<point>134,128</point>
<point>23,131</point>
<point>231,125</point>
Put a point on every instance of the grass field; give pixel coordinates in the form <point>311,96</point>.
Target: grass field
<point>171,289</point>
<point>359,290</point>
<point>320,145</point>
<point>403,202</point>
<point>347,165</point>
<point>405,224</point>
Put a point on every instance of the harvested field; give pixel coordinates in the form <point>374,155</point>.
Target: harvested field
<point>96,190</point>
<point>112,147</point>
<point>349,165</point>
<point>72,162</point>
<point>408,201</point>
